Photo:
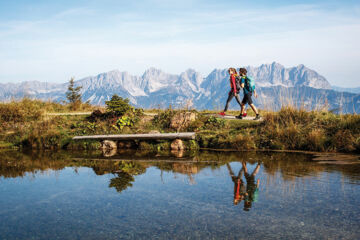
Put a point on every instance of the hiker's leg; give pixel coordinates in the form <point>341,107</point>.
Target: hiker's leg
<point>230,97</point>
<point>238,99</point>
<point>254,108</point>
<point>243,103</point>
<point>244,167</point>
<point>242,108</point>
<point>230,170</point>
<point>256,170</point>
<point>241,173</point>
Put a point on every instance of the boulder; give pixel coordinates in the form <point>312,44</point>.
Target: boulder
<point>109,152</point>
<point>107,144</point>
<point>177,144</point>
<point>125,144</point>
<point>177,153</point>
<point>182,120</point>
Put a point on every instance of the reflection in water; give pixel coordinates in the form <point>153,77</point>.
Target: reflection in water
<point>239,186</point>
<point>290,166</point>
<point>82,201</point>
<point>250,192</point>
<point>251,188</point>
<point>122,181</point>
<point>125,175</point>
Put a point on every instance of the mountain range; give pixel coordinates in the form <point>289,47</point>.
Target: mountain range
<point>276,86</point>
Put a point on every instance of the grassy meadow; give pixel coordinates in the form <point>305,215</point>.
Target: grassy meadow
<point>28,124</point>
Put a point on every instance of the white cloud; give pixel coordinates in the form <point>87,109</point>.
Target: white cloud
<point>51,50</point>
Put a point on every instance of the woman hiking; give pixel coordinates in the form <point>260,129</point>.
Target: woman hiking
<point>234,91</point>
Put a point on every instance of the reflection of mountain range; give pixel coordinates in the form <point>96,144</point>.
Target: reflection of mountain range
<point>276,85</point>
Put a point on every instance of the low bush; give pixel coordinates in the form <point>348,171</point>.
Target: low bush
<point>118,106</point>
<point>21,111</point>
<point>163,119</point>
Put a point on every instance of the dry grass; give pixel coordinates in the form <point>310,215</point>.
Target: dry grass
<point>22,124</point>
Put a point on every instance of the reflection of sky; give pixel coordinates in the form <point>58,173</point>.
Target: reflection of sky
<point>70,205</point>
<point>51,41</point>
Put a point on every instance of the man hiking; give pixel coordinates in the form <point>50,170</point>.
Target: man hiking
<point>248,85</point>
<point>252,187</point>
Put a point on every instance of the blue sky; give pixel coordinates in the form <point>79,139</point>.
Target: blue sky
<point>54,40</point>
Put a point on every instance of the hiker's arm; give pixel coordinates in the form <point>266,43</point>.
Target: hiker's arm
<point>255,94</point>
<point>242,83</point>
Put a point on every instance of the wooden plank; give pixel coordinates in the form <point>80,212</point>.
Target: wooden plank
<point>146,136</point>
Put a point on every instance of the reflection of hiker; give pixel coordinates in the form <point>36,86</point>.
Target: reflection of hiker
<point>248,85</point>
<point>239,186</point>
<point>234,91</point>
<point>252,189</point>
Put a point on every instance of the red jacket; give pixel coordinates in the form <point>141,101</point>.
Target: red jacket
<point>232,83</point>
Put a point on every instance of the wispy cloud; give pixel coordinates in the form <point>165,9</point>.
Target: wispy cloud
<point>85,41</point>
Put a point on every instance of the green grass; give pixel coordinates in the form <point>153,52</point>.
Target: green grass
<point>22,124</point>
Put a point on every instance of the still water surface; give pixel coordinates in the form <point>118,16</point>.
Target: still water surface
<point>137,195</point>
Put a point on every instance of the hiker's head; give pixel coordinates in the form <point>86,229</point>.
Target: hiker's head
<point>247,205</point>
<point>242,71</point>
<point>232,71</point>
<point>237,201</point>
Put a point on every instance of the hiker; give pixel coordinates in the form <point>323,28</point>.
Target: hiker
<point>248,85</point>
<point>234,91</point>
<point>239,186</point>
<point>252,189</point>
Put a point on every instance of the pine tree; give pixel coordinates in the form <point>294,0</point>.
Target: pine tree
<point>118,105</point>
<point>73,95</point>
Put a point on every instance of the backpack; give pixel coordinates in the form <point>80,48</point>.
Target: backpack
<point>249,83</point>
<point>238,82</point>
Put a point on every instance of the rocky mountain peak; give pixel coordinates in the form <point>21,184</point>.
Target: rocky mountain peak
<point>155,86</point>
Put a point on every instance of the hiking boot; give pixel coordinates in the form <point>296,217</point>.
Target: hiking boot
<point>257,117</point>
<point>244,114</point>
<point>239,117</point>
<point>222,113</point>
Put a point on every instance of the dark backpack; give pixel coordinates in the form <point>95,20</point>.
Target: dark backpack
<point>238,82</point>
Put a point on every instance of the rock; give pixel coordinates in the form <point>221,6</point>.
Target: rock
<point>177,153</point>
<point>125,144</point>
<point>97,114</point>
<point>109,152</point>
<point>182,120</point>
<point>177,144</point>
<point>107,144</point>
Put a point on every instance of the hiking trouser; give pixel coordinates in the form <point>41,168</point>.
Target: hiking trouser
<point>230,97</point>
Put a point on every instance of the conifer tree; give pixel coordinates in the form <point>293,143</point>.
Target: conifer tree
<point>118,105</point>
<point>73,95</point>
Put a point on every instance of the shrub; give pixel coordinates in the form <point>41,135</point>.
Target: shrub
<point>344,141</point>
<point>163,119</point>
<point>316,140</point>
<point>123,122</point>
<point>244,142</point>
<point>118,106</point>
<point>213,122</point>
<point>21,111</point>
<point>196,125</point>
